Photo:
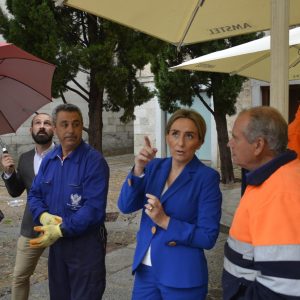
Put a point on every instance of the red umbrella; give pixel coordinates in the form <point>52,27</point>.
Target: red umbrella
<point>25,86</point>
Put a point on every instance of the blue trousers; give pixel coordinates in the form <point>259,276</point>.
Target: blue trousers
<point>76,267</point>
<point>146,287</point>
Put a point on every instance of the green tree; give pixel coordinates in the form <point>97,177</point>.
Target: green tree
<point>109,54</point>
<point>183,87</point>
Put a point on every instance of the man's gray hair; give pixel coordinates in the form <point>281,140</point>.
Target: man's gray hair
<point>66,107</point>
<point>266,122</point>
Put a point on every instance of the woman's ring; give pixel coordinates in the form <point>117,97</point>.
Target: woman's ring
<point>151,207</point>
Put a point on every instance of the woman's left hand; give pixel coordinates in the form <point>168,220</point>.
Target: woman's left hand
<point>156,212</point>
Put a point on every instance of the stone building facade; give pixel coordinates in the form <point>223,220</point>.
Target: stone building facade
<point>150,121</point>
<point>117,136</point>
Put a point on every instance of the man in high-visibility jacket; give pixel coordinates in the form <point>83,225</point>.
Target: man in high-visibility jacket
<point>262,253</point>
<point>294,133</point>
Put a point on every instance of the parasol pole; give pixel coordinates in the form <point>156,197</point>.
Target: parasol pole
<point>279,89</point>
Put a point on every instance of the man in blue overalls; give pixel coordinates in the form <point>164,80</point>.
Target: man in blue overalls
<point>72,183</point>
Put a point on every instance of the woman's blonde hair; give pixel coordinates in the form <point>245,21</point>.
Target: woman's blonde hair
<point>192,115</point>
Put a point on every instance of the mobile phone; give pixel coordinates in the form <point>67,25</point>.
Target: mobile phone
<point>4,149</point>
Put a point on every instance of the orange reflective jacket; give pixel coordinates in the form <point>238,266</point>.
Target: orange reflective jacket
<point>263,248</point>
<point>294,134</point>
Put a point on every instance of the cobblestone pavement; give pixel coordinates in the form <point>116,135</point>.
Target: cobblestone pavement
<point>121,241</point>
<point>10,225</point>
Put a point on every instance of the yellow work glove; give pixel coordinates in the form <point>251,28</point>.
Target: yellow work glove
<point>48,219</point>
<point>49,235</point>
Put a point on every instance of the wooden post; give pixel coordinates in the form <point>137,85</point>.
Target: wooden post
<point>279,93</point>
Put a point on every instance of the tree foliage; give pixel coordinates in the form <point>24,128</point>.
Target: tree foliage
<point>183,87</point>
<point>109,54</point>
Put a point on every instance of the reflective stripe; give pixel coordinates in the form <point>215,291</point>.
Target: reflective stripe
<point>289,287</point>
<point>237,271</point>
<point>265,253</point>
<point>244,249</point>
<point>277,253</point>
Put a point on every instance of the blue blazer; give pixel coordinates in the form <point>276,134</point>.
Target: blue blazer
<point>193,203</point>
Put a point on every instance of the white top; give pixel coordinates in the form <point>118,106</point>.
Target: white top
<point>39,157</point>
<point>147,258</point>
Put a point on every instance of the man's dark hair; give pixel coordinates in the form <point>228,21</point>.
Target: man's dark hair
<point>38,114</point>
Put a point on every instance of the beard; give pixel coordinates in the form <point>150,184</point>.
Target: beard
<point>42,139</point>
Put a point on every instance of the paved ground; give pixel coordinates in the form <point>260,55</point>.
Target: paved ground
<point>121,230</point>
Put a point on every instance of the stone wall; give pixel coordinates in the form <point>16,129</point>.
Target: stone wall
<point>149,119</point>
<point>145,125</point>
<point>244,101</point>
<point>117,137</point>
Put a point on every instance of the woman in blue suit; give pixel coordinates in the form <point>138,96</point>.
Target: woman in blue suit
<point>181,203</point>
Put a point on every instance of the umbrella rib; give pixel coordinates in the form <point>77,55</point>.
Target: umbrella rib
<point>8,123</point>
<point>27,86</point>
<point>189,24</point>
<point>29,59</point>
<point>297,60</point>
<point>294,63</point>
<point>251,63</point>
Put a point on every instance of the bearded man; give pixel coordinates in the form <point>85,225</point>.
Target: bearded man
<point>16,181</point>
